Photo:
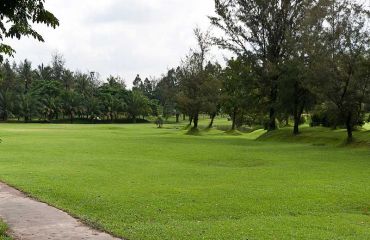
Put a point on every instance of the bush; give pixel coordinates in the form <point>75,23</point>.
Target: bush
<point>324,115</point>
<point>304,119</point>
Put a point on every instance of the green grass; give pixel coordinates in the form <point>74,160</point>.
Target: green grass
<point>140,182</point>
<point>319,136</point>
<point>3,230</point>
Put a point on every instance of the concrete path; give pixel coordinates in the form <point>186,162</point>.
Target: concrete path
<point>32,220</point>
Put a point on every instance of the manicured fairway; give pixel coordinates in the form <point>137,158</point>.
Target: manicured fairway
<point>140,182</point>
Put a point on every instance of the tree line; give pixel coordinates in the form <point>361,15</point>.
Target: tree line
<point>52,92</point>
<point>293,59</point>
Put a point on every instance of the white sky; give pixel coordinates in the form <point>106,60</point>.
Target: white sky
<point>119,37</point>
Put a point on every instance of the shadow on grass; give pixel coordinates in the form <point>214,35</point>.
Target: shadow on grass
<point>233,133</point>
<point>193,132</point>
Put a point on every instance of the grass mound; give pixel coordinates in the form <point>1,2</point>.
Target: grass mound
<point>233,133</point>
<point>193,132</point>
<point>318,136</point>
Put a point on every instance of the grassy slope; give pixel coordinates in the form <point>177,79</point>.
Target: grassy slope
<point>319,136</point>
<point>146,183</point>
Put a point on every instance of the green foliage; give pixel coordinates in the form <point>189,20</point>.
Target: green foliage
<point>138,105</point>
<point>167,89</point>
<point>70,104</point>
<point>239,92</point>
<point>52,93</point>
<point>17,18</point>
<point>199,82</point>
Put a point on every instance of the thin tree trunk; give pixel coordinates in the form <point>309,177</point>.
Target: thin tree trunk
<point>177,117</point>
<point>213,116</point>
<point>349,127</point>
<point>184,117</point>
<point>196,120</point>
<point>233,127</point>
<point>190,120</point>
<point>297,120</point>
<point>296,125</point>
<point>272,122</point>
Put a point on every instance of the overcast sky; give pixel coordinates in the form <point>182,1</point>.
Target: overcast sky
<point>119,37</point>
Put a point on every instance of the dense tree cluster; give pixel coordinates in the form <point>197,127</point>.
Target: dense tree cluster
<point>293,59</point>
<point>53,92</point>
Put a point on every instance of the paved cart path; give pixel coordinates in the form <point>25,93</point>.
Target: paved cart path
<point>29,219</point>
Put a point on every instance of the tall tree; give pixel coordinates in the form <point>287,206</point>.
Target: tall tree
<point>167,89</point>
<point>71,104</point>
<point>343,51</point>
<point>57,66</point>
<point>26,74</point>
<point>137,83</point>
<point>211,90</point>
<point>138,105</point>
<point>261,28</point>
<point>238,90</point>
<point>192,77</point>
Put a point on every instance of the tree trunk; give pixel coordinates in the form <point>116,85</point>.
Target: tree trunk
<point>177,117</point>
<point>296,125</point>
<point>190,120</point>
<point>213,116</point>
<point>71,118</point>
<point>287,120</point>
<point>273,98</point>
<point>183,117</point>
<point>349,127</point>
<point>196,120</point>
<point>5,116</point>
<point>233,127</point>
<point>272,121</point>
<point>297,119</point>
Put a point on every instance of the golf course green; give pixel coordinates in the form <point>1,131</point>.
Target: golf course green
<point>141,182</point>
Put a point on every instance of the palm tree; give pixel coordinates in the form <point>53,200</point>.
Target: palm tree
<point>43,73</point>
<point>71,104</point>
<point>29,105</point>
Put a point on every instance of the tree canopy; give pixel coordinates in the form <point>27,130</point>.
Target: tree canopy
<point>17,18</point>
